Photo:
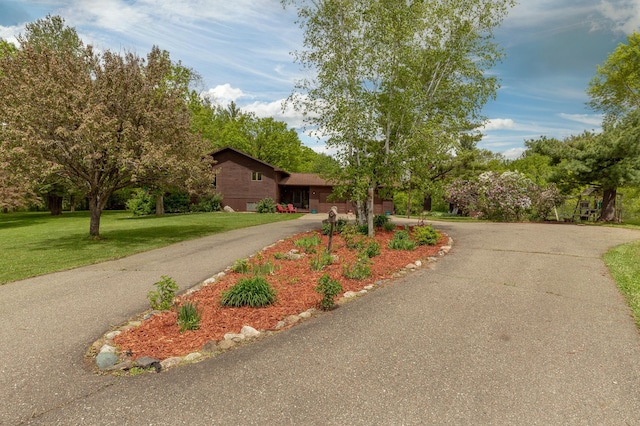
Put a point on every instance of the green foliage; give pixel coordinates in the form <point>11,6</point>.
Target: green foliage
<point>279,256</point>
<point>371,248</point>
<point>319,261</point>
<point>425,235</point>
<point>266,205</point>
<point>400,200</point>
<point>309,243</point>
<point>189,317</point>
<point>141,203</point>
<point>615,90</point>
<point>389,226</point>
<point>162,298</point>
<point>266,268</point>
<point>379,220</point>
<point>359,270</point>
<point>338,227</point>
<point>176,202</point>
<point>402,241</point>
<point>240,266</point>
<point>208,203</point>
<point>329,289</point>
<point>352,236</point>
<point>254,292</point>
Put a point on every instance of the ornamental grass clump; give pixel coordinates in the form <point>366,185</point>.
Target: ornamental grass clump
<point>254,292</point>
<point>329,289</point>
<point>189,317</point>
<point>162,298</point>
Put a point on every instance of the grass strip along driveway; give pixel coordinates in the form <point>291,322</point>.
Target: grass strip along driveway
<point>37,243</point>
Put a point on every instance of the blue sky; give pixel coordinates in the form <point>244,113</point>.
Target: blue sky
<point>242,50</point>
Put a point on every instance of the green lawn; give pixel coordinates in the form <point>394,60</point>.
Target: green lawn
<point>37,243</point>
<point>623,264</point>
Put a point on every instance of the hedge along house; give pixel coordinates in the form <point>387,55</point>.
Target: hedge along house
<point>244,180</point>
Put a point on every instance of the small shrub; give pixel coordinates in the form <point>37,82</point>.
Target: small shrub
<point>176,202</point>
<point>266,205</point>
<point>388,226</point>
<point>254,292</point>
<point>380,219</point>
<point>425,235</point>
<point>329,289</point>
<point>189,317</point>
<point>318,262</point>
<point>141,203</point>
<point>162,298</point>
<point>337,228</point>
<point>209,203</point>
<point>358,270</point>
<point>363,229</point>
<point>371,249</point>
<point>352,237</point>
<point>240,266</point>
<point>402,241</point>
<point>279,256</point>
<point>308,243</point>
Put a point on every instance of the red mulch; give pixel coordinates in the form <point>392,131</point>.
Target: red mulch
<point>294,282</point>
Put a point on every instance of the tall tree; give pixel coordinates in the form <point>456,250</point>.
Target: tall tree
<point>103,121</point>
<point>615,89</point>
<point>608,160</point>
<point>392,78</point>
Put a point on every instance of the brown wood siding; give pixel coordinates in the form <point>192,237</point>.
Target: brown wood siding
<point>234,181</point>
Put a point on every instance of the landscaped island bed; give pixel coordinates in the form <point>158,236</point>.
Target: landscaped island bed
<point>293,280</point>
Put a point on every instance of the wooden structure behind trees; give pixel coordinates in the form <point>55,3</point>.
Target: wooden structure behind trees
<point>589,206</point>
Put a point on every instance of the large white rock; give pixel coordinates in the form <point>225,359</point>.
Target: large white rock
<point>249,331</point>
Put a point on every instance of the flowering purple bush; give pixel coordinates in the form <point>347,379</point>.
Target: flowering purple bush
<point>509,196</point>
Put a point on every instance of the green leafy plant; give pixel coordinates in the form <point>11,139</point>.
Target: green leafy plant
<point>329,289</point>
<point>240,266</point>
<point>371,249</point>
<point>352,237</point>
<point>254,292</point>
<point>308,243</point>
<point>266,205</point>
<point>189,317</point>
<point>319,261</point>
<point>266,268</point>
<point>402,241</point>
<point>358,270</point>
<point>279,256</point>
<point>162,298</point>
<point>425,235</point>
<point>380,219</point>
<point>388,226</point>
<point>208,203</point>
<point>141,203</point>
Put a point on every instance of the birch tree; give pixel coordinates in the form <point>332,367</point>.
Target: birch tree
<point>391,78</point>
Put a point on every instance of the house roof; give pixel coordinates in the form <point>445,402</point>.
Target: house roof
<point>304,179</point>
<point>237,151</point>
<point>289,179</point>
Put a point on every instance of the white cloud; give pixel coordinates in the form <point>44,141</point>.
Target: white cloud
<point>624,14</point>
<point>224,93</point>
<point>513,153</point>
<point>499,123</point>
<point>594,120</point>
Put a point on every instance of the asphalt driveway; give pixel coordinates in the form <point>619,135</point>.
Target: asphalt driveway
<point>519,324</point>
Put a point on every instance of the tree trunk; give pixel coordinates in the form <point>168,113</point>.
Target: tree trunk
<point>54,203</point>
<point>370,211</point>
<point>96,212</point>
<point>72,203</point>
<point>426,204</point>
<point>608,212</point>
<point>159,204</point>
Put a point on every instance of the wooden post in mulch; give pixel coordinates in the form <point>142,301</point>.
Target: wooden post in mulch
<point>333,214</point>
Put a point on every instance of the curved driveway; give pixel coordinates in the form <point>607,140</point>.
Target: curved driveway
<point>518,324</point>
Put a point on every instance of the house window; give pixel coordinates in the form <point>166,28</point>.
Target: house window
<point>256,175</point>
